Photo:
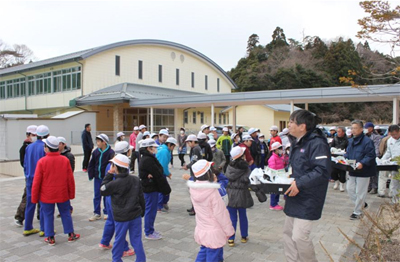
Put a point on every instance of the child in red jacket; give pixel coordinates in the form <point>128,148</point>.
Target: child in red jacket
<point>54,183</point>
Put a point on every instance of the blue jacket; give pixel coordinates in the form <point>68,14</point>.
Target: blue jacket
<point>310,159</point>
<point>362,149</point>
<point>33,153</point>
<point>99,162</point>
<point>164,157</point>
<point>87,141</point>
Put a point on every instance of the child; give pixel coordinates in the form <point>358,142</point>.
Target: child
<point>276,162</point>
<point>212,219</point>
<point>218,159</point>
<point>238,172</point>
<point>120,137</point>
<point>223,181</point>
<point>128,206</point>
<point>182,149</point>
<point>66,151</point>
<point>97,170</point>
<point>264,151</point>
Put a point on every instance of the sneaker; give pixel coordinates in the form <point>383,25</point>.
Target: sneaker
<point>231,243</point>
<point>189,209</point>
<point>162,210</point>
<point>277,207</point>
<point>73,237</point>
<point>341,187</point>
<point>95,217</point>
<point>336,185</point>
<point>382,196</point>
<point>50,240</point>
<point>355,217</point>
<point>30,232</point>
<point>18,223</point>
<point>373,191</point>
<point>244,239</point>
<point>105,217</point>
<point>153,237</point>
<point>105,247</point>
<point>128,253</point>
<point>192,213</point>
<point>157,233</point>
<point>166,207</point>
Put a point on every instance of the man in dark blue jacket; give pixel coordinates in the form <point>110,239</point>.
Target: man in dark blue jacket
<point>87,144</point>
<point>310,159</point>
<point>362,150</point>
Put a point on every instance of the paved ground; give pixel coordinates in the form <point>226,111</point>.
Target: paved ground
<point>178,245</point>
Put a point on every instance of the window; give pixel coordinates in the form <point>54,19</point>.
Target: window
<point>140,69</point>
<point>31,85</point>
<point>202,118</point>
<point>192,79</point>
<point>224,119</point>
<point>160,73</point>
<point>9,89</point>
<point>177,76</point>
<point>206,82</point>
<point>218,85</point>
<point>282,125</point>
<point>2,90</point>
<point>194,117</point>
<point>57,81</point>
<point>117,65</point>
<point>220,118</point>
<point>185,117</point>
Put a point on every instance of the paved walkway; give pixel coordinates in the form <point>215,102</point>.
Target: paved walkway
<point>178,245</point>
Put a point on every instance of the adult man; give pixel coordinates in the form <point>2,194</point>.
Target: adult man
<point>132,143</point>
<point>142,129</point>
<point>255,149</point>
<point>311,164</point>
<point>87,144</point>
<point>393,150</point>
<point>376,139</point>
<point>30,138</point>
<point>247,141</point>
<point>224,143</point>
<point>339,141</point>
<point>362,150</point>
<point>274,136</point>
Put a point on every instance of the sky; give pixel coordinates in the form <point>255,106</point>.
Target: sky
<point>219,29</point>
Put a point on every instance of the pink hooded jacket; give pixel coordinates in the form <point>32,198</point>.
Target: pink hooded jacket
<point>276,162</point>
<point>213,224</point>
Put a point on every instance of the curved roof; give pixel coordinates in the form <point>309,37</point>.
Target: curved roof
<point>93,51</point>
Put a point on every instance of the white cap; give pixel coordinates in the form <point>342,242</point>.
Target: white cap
<point>225,129</point>
<point>148,142</point>
<point>62,140</point>
<point>121,147</point>
<point>171,140</point>
<point>234,135</point>
<point>42,130</point>
<point>260,135</point>
<point>119,134</point>
<point>191,138</point>
<point>121,161</point>
<point>348,132</point>
<point>332,128</point>
<point>275,128</point>
<point>153,135</point>
<point>285,131</point>
<point>247,137</point>
<point>141,127</point>
<point>146,133</point>
<point>201,167</point>
<point>212,142</point>
<point>204,127</point>
<point>212,128</point>
<point>251,130</point>
<point>377,127</point>
<point>163,132</point>
<point>237,152</point>
<point>103,137</point>
<point>201,136</point>
<point>275,145</point>
<point>52,142</point>
<point>31,129</point>
<point>136,128</point>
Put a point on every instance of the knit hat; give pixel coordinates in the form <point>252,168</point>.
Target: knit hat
<point>52,142</point>
<point>276,145</point>
<point>121,147</point>
<point>62,140</point>
<point>201,167</point>
<point>42,130</point>
<point>237,152</point>
<point>148,143</point>
<point>204,127</point>
<point>171,140</point>
<point>119,134</point>
<point>275,128</point>
<point>212,142</point>
<point>31,129</point>
<point>251,130</point>
<point>201,136</point>
<point>136,128</point>
<point>247,137</point>
<point>121,161</point>
<point>368,124</point>
<point>103,137</point>
<point>191,138</point>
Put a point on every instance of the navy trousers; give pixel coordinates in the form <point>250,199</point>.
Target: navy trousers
<point>244,223</point>
<point>97,197</point>
<point>48,217</point>
<point>162,200</point>
<point>210,254</point>
<point>274,199</point>
<point>150,213</point>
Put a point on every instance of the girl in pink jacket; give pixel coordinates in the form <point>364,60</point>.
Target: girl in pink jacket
<point>276,162</point>
<point>213,224</point>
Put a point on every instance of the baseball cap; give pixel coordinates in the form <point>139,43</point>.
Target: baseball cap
<point>146,133</point>
<point>212,142</point>
<point>121,147</point>
<point>62,140</point>
<point>251,130</point>
<point>42,130</point>
<point>191,138</point>
<point>163,132</point>
<point>119,134</point>
<point>171,140</point>
<point>247,137</point>
<point>285,131</point>
<point>332,128</point>
<point>136,128</point>
<point>201,136</point>
<point>368,124</point>
<point>121,161</point>
<point>31,129</point>
<point>260,135</point>
<point>377,127</point>
<point>212,128</point>
<point>153,135</point>
<point>52,142</point>
<point>201,167</point>
<point>237,152</point>
<point>204,127</point>
<point>225,129</point>
<point>275,128</point>
<point>234,135</point>
<point>275,145</point>
<point>141,127</point>
<point>148,142</point>
<point>103,137</point>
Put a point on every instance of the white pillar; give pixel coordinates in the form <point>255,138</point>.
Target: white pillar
<point>291,106</point>
<point>395,111</point>
<point>151,120</point>
<point>212,115</point>
<point>234,118</point>
<point>176,123</point>
<point>306,106</point>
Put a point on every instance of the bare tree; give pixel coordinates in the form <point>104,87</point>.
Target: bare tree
<point>15,55</point>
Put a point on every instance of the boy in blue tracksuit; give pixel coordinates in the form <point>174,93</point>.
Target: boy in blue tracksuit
<point>97,170</point>
<point>33,153</point>
<point>164,157</point>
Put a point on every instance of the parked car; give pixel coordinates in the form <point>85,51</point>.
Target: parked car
<point>219,129</point>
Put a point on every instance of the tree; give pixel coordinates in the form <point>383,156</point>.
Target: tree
<point>252,42</point>
<point>13,56</point>
<point>278,39</point>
